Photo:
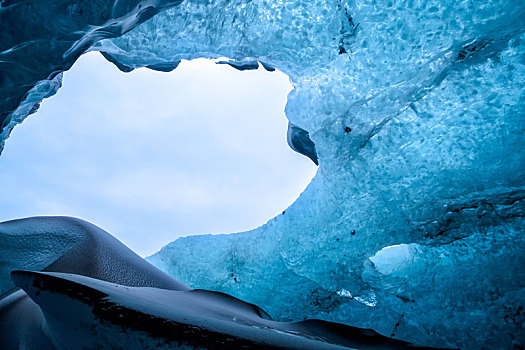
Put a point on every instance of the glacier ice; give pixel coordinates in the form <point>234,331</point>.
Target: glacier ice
<point>67,245</point>
<point>413,224</point>
<point>93,292</point>
<point>299,140</point>
<point>111,316</point>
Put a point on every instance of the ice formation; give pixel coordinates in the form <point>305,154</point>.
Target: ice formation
<point>65,245</point>
<point>98,294</point>
<point>413,225</point>
<point>299,140</point>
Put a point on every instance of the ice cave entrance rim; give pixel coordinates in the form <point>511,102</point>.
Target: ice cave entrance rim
<point>151,156</point>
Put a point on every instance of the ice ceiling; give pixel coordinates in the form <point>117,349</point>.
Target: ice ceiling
<point>413,224</point>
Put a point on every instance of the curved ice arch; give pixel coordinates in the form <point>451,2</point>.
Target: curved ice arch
<point>416,111</point>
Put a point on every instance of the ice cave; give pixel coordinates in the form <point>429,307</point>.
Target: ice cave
<point>409,236</point>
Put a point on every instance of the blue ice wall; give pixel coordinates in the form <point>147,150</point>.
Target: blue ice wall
<point>413,225</point>
<point>416,109</point>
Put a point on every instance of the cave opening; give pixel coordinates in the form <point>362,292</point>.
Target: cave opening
<point>152,156</point>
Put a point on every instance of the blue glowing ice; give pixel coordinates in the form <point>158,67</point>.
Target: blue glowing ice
<point>413,225</point>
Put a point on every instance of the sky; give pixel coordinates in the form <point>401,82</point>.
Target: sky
<point>153,156</point>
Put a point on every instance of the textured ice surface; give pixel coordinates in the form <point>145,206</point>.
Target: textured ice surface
<point>102,295</point>
<point>61,244</point>
<point>87,313</point>
<point>65,244</point>
<point>416,109</point>
<point>413,225</point>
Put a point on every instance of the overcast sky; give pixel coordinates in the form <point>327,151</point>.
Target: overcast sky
<point>152,156</point>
